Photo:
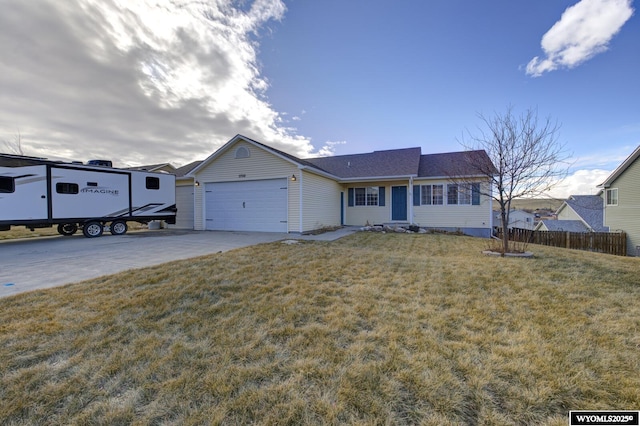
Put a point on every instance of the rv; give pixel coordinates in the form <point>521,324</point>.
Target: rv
<point>38,193</point>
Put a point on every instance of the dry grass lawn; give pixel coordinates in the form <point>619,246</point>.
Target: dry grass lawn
<point>370,329</point>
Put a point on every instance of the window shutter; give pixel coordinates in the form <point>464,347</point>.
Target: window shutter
<point>416,195</point>
<point>475,194</point>
<point>351,197</point>
<point>381,196</point>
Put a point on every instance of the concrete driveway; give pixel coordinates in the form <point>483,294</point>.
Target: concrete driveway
<point>38,263</point>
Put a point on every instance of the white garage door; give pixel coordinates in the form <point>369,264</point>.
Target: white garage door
<point>259,205</point>
<point>184,202</point>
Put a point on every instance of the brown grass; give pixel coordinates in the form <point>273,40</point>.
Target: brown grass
<point>370,329</point>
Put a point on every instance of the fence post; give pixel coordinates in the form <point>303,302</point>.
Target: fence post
<point>568,239</point>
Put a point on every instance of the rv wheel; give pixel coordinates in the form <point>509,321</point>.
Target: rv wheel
<point>67,229</point>
<point>119,227</point>
<point>92,229</point>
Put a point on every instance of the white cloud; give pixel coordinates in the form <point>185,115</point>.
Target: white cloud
<point>581,182</point>
<point>584,30</point>
<point>137,82</point>
<point>329,149</point>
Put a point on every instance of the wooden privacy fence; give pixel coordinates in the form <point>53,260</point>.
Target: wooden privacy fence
<point>601,242</point>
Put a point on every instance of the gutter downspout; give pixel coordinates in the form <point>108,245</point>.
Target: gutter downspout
<point>301,172</point>
<point>411,189</point>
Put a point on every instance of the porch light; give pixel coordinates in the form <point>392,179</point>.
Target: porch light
<point>197,183</point>
<point>294,178</point>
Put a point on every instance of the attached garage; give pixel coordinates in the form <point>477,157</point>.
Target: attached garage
<point>259,205</point>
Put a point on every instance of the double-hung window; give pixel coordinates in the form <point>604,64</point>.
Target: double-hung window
<point>463,194</point>
<point>612,197</point>
<point>366,196</point>
<point>432,195</point>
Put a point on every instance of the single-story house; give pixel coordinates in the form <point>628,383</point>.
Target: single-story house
<point>578,213</point>
<point>249,186</point>
<point>517,219</point>
<point>621,197</point>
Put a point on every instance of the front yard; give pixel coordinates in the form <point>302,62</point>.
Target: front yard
<point>370,329</point>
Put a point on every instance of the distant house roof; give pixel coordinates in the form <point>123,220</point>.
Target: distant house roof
<point>590,208</point>
<point>621,168</point>
<point>564,225</point>
<point>154,168</point>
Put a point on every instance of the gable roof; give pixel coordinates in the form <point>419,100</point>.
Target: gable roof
<point>621,168</point>
<point>590,208</point>
<point>393,163</point>
<point>388,163</point>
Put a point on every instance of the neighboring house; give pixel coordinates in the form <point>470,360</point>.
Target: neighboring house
<point>578,213</point>
<point>164,167</point>
<point>248,186</point>
<point>621,196</point>
<point>517,219</point>
<point>562,225</point>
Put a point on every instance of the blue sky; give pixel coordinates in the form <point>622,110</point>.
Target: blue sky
<point>148,81</point>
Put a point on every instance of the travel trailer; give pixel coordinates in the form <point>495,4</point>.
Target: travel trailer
<point>39,193</point>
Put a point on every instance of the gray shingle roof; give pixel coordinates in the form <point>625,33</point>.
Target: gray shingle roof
<point>565,225</point>
<point>393,162</point>
<point>451,164</point>
<point>590,208</point>
<point>182,171</point>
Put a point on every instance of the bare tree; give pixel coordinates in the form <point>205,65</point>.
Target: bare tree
<point>527,158</point>
<point>15,146</point>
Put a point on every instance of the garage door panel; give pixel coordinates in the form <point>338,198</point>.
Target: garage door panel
<point>247,206</point>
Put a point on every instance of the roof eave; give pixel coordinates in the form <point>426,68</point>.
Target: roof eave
<point>621,168</point>
<point>376,178</point>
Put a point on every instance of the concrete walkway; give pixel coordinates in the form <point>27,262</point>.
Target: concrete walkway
<point>31,264</point>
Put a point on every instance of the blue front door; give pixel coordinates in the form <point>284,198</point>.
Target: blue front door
<point>398,203</point>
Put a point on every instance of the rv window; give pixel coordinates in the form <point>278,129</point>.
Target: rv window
<point>7,185</point>
<point>67,188</point>
<point>153,182</point>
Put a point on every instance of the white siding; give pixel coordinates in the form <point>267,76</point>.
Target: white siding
<point>626,215</point>
<point>260,164</point>
<point>321,197</point>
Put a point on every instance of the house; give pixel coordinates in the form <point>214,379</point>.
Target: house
<point>517,219</point>
<point>249,186</point>
<point>578,213</point>
<point>621,197</point>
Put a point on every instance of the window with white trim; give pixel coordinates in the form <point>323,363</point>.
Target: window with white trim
<point>612,197</point>
<point>463,194</point>
<point>368,196</point>
<point>432,195</point>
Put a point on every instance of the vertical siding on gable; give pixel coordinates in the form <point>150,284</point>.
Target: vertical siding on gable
<point>261,164</point>
<point>321,202</point>
<point>452,216</point>
<point>626,215</point>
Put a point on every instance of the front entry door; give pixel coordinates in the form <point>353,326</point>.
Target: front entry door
<point>398,203</point>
